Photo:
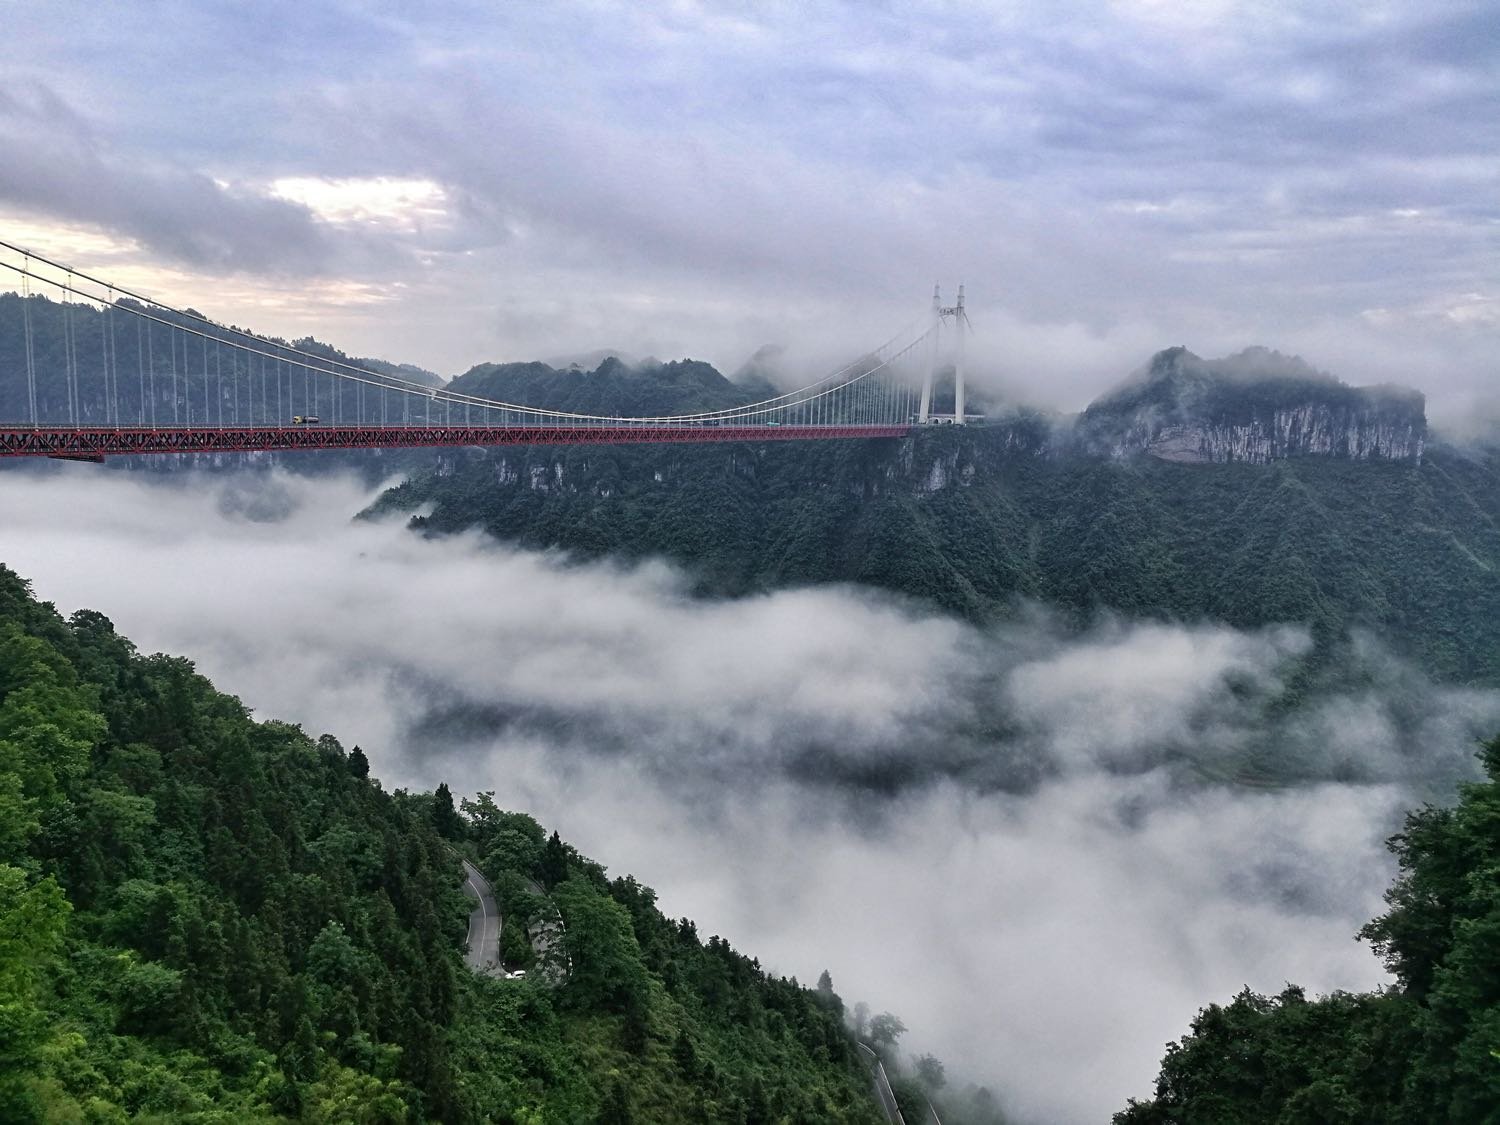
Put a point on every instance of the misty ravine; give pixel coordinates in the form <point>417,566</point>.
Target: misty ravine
<point>1063,878</point>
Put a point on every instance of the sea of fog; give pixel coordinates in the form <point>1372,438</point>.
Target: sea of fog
<point>1009,837</point>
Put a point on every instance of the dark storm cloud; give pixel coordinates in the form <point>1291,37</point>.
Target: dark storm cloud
<point>57,163</point>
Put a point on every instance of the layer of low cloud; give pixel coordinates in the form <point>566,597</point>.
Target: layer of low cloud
<point>702,178</point>
<point>1012,838</point>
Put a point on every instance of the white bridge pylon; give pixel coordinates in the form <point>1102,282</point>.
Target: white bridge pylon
<point>961,327</point>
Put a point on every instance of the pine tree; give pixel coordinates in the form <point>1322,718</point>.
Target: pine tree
<point>554,862</point>
<point>445,818</point>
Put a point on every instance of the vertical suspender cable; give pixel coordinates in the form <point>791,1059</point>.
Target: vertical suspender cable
<point>30,355</point>
<point>140,366</point>
<point>69,358</point>
<point>172,348</point>
<point>104,358</point>
<point>114,357</point>
<point>151,367</point>
<point>187,379</point>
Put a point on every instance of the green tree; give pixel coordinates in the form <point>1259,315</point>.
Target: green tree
<point>445,818</point>
<point>605,956</point>
<point>554,862</point>
<point>32,921</point>
<point>616,1108</point>
<point>930,1072</point>
<point>886,1029</point>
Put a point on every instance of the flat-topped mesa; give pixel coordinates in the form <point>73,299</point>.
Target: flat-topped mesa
<point>1256,406</point>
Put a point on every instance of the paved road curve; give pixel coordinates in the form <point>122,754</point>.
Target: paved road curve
<point>483,955</point>
<point>883,1087</point>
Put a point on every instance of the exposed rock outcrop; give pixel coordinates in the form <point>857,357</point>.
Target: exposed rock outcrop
<point>1257,406</point>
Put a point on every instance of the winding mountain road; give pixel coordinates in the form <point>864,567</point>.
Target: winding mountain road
<point>483,954</point>
<point>883,1087</point>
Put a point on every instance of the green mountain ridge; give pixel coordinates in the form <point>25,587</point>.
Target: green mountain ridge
<point>976,520</point>
<point>155,378</point>
<point>209,918</point>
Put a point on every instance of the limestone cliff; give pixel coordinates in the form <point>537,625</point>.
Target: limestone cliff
<point>1256,406</point>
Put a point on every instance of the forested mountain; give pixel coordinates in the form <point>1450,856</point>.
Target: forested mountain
<point>85,357</point>
<point>1427,1050</point>
<point>972,520</point>
<point>613,387</point>
<point>204,917</point>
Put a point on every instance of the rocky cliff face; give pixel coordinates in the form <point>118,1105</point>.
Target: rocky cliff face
<point>1257,406</point>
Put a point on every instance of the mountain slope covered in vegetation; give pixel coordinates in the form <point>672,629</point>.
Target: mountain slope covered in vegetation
<point>1428,1049</point>
<point>973,520</point>
<point>204,917</point>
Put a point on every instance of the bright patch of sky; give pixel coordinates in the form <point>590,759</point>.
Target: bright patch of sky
<point>377,200</point>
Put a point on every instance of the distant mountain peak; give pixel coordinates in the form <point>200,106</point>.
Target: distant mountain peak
<point>1258,404</point>
<point>1248,365</point>
<point>764,369</point>
<point>592,360</point>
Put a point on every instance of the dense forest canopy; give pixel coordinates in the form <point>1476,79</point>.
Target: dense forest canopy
<point>1427,1049</point>
<point>205,917</point>
<point>977,521</point>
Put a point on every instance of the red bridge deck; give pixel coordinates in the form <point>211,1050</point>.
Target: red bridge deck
<point>96,443</point>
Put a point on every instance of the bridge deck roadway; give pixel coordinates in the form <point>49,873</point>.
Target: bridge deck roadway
<point>96,443</point>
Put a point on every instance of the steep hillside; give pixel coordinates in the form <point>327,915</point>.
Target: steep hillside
<point>208,918</point>
<point>1425,1050</point>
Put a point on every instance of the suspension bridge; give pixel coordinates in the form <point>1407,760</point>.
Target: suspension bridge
<point>90,369</point>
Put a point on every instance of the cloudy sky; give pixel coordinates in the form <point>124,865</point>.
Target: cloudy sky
<point>455,182</point>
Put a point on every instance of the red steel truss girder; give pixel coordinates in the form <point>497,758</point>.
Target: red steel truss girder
<point>97,442</point>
